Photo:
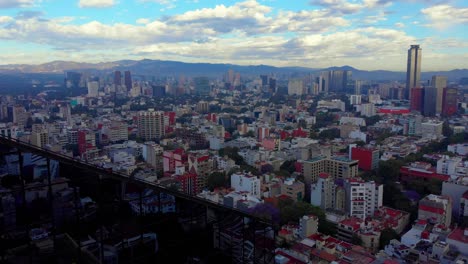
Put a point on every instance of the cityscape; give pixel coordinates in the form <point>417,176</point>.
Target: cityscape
<point>208,159</point>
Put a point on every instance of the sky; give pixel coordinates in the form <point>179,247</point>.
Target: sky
<point>366,34</point>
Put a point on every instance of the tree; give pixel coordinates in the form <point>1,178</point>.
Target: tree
<point>356,240</point>
<point>389,170</point>
<point>386,236</point>
<point>216,179</point>
<point>289,166</point>
<point>330,133</point>
<point>232,153</point>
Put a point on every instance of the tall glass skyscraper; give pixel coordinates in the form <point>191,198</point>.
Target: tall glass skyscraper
<point>413,71</point>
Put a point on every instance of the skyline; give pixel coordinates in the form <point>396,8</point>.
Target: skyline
<point>368,34</point>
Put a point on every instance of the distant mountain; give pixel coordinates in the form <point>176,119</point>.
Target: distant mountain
<point>174,68</point>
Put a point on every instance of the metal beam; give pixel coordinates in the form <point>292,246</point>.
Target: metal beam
<point>24,146</point>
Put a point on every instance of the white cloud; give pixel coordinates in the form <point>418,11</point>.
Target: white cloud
<point>143,21</point>
<point>5,19</point>
<point>96,3</point>
<point>15,3</point>
<point>168,4</point>
<point>444,16</point>
<point>399,25</point>
<point>350,7</point>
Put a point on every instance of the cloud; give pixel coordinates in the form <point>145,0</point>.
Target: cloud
<point>5,19</point>
<point>96,3</point>
<point>168,4</point>
<point>444,16</point>
<point>252,18</point>
<point>143,21</point>
<point>347,7</point>
<point>16,3</point>
<point>399,25</point>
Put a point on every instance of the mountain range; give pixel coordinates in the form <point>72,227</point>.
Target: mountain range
<point>149,67</point>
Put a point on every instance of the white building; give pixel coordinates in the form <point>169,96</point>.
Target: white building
<point>448,165</point>
<point>432,129</point>
<point>368,110</point>
<point>246,183</point>
<point>93,89</point>
<point>460,149</point>
<point>362,198</point>
<point>355,99</point>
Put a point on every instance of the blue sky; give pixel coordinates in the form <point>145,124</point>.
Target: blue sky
<point>367,34</point>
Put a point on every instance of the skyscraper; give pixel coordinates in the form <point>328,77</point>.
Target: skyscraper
<point>117,78</point>
<point>202,85</point>
<point>429,105</point>
<point>150,124</point>
<point>128,80</point>
<point>413,71</point>
<point>417,99</point>
<point>439,82</point>
<point>449,101</point>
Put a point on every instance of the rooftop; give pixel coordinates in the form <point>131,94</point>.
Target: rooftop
<point>460,235</point>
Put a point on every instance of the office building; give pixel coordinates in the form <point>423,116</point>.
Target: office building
<point>417,99</point>
<point>355,99</point>
<point>117,78</point>
<point>201,85</point>
<point>413,69</point>
<point>439,83</point>
<point>93,89</point>
<point>449,101</point>
<point>39,136</point>
<point>73,79</point>
<point>431,129</point>
<point>430,101</point>
<point>336,167</point>
<point>150,124</point>
<point>128,80</point>
<point>296,87</point>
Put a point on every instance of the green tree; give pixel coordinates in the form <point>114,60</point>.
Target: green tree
<point>386,236</point>
<point>329,133</point>
<point>356,240</point>
<point>216,179</point>
<point>389,171</point>
<point>289,166</point>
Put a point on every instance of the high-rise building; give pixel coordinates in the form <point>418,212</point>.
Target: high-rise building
<point>264,79</point>
<point>150,124</point>
<point>339,81</point>
<point>430,101</point>
<point>128,80</point>
<point>93,89</point>
<point>72,79</point>
<point>417,99</point>
<point>39,136</point>
<point>117,78</point>
<point>362,198</point>
<point>201,85</point>
<point>439,82</point>
<point>296,87</point>
<point>449,101</point>
<point>322,192</point>
<point>413,70</point>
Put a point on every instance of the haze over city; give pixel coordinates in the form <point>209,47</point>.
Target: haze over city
<point>365,34</point>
